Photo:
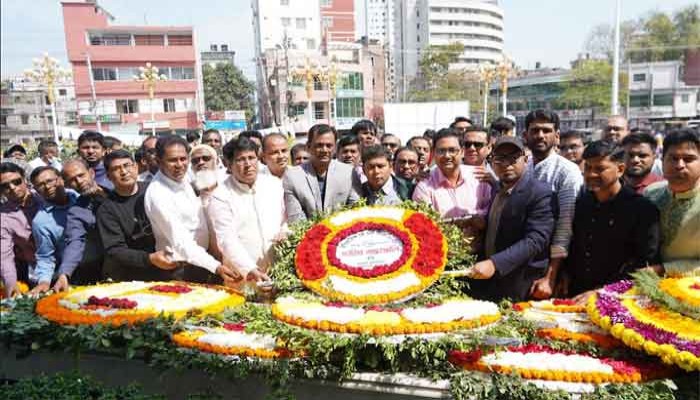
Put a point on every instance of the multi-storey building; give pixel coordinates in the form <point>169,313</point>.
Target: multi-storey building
<point>105,60</point>
<point>218,54</point>
<point>338,20</point>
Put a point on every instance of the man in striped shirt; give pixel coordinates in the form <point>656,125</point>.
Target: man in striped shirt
<point>566,181</point>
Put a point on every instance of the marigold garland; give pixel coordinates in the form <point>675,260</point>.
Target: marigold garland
<point>555,305</point>
<point>604,341</point>
<point>623,371</point>
<point>190,339</point>
<point>21,287</point>
<point>684,290</point>
<point>610,308</point>
<point>422,261</point>
<point>50,308</point>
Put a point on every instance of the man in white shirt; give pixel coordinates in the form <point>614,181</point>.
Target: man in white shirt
<point>275,154</point>
<point>48,155</point>
<point>247,212</point>
<point>176,213</point>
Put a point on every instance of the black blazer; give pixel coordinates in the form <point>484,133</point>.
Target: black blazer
<point>522,241</point>
<point>402,187</point>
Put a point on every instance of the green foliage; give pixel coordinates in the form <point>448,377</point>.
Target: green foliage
<point>226,88</point>
<point>648,283</point>
<point>589,85</point>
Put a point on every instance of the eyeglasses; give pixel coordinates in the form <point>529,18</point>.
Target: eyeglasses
<point>506,159</point>
<point>14,182</point>
<point>614,128</point>
<point>476,145</point>
<point>46,183</point>
<point>246,160</point>
<point>573,147</point>
<point>125,167</point>
<point>449,151</point>
<point>196,160</point>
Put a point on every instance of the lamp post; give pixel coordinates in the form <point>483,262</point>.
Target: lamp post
<point>332,79</point>
<point>487,75</point>
<point>503,70</point>
<point>307,73</point>
<point>149,76</point>
<point>47,71</point>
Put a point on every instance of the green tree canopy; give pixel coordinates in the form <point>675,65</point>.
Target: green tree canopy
<point>226,88</point>
<point>589,85</point>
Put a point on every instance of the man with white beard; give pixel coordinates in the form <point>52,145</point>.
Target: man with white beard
<point>205,174</point>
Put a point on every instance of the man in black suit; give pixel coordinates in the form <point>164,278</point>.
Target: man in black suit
<point>381,187</point>
<point>519,228</point>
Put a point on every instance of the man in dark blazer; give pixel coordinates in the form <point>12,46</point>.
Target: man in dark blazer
<point>381,187</point>
<point>320,184</point>
<point>519,228</point>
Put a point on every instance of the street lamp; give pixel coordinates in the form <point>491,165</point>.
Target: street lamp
<point>306,73</point>
<point>46,71</point>
<point>503,70</point>
<point>149,75</point>
<point>487,75</point>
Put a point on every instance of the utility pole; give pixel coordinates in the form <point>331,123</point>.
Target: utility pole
<point>94,96</point>
<point>616,62</point>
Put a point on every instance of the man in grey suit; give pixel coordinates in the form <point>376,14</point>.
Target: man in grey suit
<point>321,183</point>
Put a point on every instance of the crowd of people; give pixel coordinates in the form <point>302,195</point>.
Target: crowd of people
<point>548,212</point>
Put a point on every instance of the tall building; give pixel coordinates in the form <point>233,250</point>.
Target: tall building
<point>338,20</point>
<point>218,54</point>
<point>105,60</point>
<point>477,24</point>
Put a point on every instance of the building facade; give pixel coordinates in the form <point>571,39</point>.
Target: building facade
<point>218,54</point>
<point>477,24</point>
<point>338,20</point>
<point>105,60</point>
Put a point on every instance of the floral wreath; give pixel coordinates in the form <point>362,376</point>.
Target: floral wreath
<point>421,262</point>
<point>230,339</point>
<point>133,302</point>
<point>645,325</point>
<point>564,320</point>
<point>545,363</point>
<point>21,287</point>
<point>451,314</point>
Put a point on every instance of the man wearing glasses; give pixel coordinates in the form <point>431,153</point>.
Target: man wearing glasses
<point>616,129</point>
<point>16,215</point>
<point>520,223</point>
<point>571,147</point>
<point>148,146</point>
<point>125,230</point>
<point>477,147</point>
<point>452,189</point>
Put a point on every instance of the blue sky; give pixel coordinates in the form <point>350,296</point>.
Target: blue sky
<point>550,31</point>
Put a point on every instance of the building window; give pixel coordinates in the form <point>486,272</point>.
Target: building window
<point>318,83</point>
<point>62,92</point>
<point>301,23</point>
<point>310,44</point>
<point>284,2</point>
<point>179,40</point>
<point>178,73</point>
<point>104,74</point>
<point>326,21</point>
<point>326,3</point>
<point>224,47</point>
<point>213,47</point>
<point>169,105</point>
<point>663,100</point>
<point>25,119</point>
<point>685,98</point>
<point>110,40</point>
<point>350,107</point>
<point>3,119</point>
<point>286,21</point>
<point>149,40</point>
<point>639,77</point>
<point>127,106</point>
<point>351,81</point>
<point>319,110</point>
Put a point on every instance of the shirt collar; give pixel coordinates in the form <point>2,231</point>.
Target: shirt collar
<point>442,179</point>
<point>172,184</point>
<point>242,186</point>
<point>72,197</point>
<point>687,194</point>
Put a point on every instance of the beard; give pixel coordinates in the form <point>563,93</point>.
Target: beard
<point>205,179</point>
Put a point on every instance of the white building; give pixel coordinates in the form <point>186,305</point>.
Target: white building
<point>658,92</point>
<point>477,24</point>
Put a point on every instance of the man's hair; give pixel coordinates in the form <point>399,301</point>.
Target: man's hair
<point>680,136</point>
<point>116,155</point>
<point>170,140</point>
<point>191,136</point>
<point>297,148</point>
<point>320,129</point>
<point>272,136</point>
<point>210,132</point>
<point>477,128</point>
<point>501,125</point>
<point>375,151</point>
<point>460,119</point>
<point>44,145</point>
<point>6,167</point>
<point>138,155</point>
<point>604,148</point>
<point>348,140</point>
<point>572,134</point>
<point>445,133</point>
<point>237,146</point>
<point>74,160</point>
<point>427,134</point>
<point>147,138</point>
<point>91,136</point>
<point>402,149</point>
<point>251,134</point>
<point>386,135</point>
<point>547,115</point>
<point>411,140</point>
<point>640,137</point>
<point>39,170</point>
<point>364,125</point>
<point>111,141</point>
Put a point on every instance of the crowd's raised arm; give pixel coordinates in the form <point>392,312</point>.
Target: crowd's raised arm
<point>549,213</point>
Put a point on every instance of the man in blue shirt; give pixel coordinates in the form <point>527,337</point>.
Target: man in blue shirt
<point>49,223</point>
<point>82,255</point>
<point>91,147</point>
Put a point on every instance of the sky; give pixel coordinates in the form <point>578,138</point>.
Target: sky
<point>552,32</point>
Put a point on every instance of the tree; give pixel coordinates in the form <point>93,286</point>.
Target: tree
<point>600,42</point>
<point>687,21</point>
<point>589,85</point>
<point>226,88</point>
